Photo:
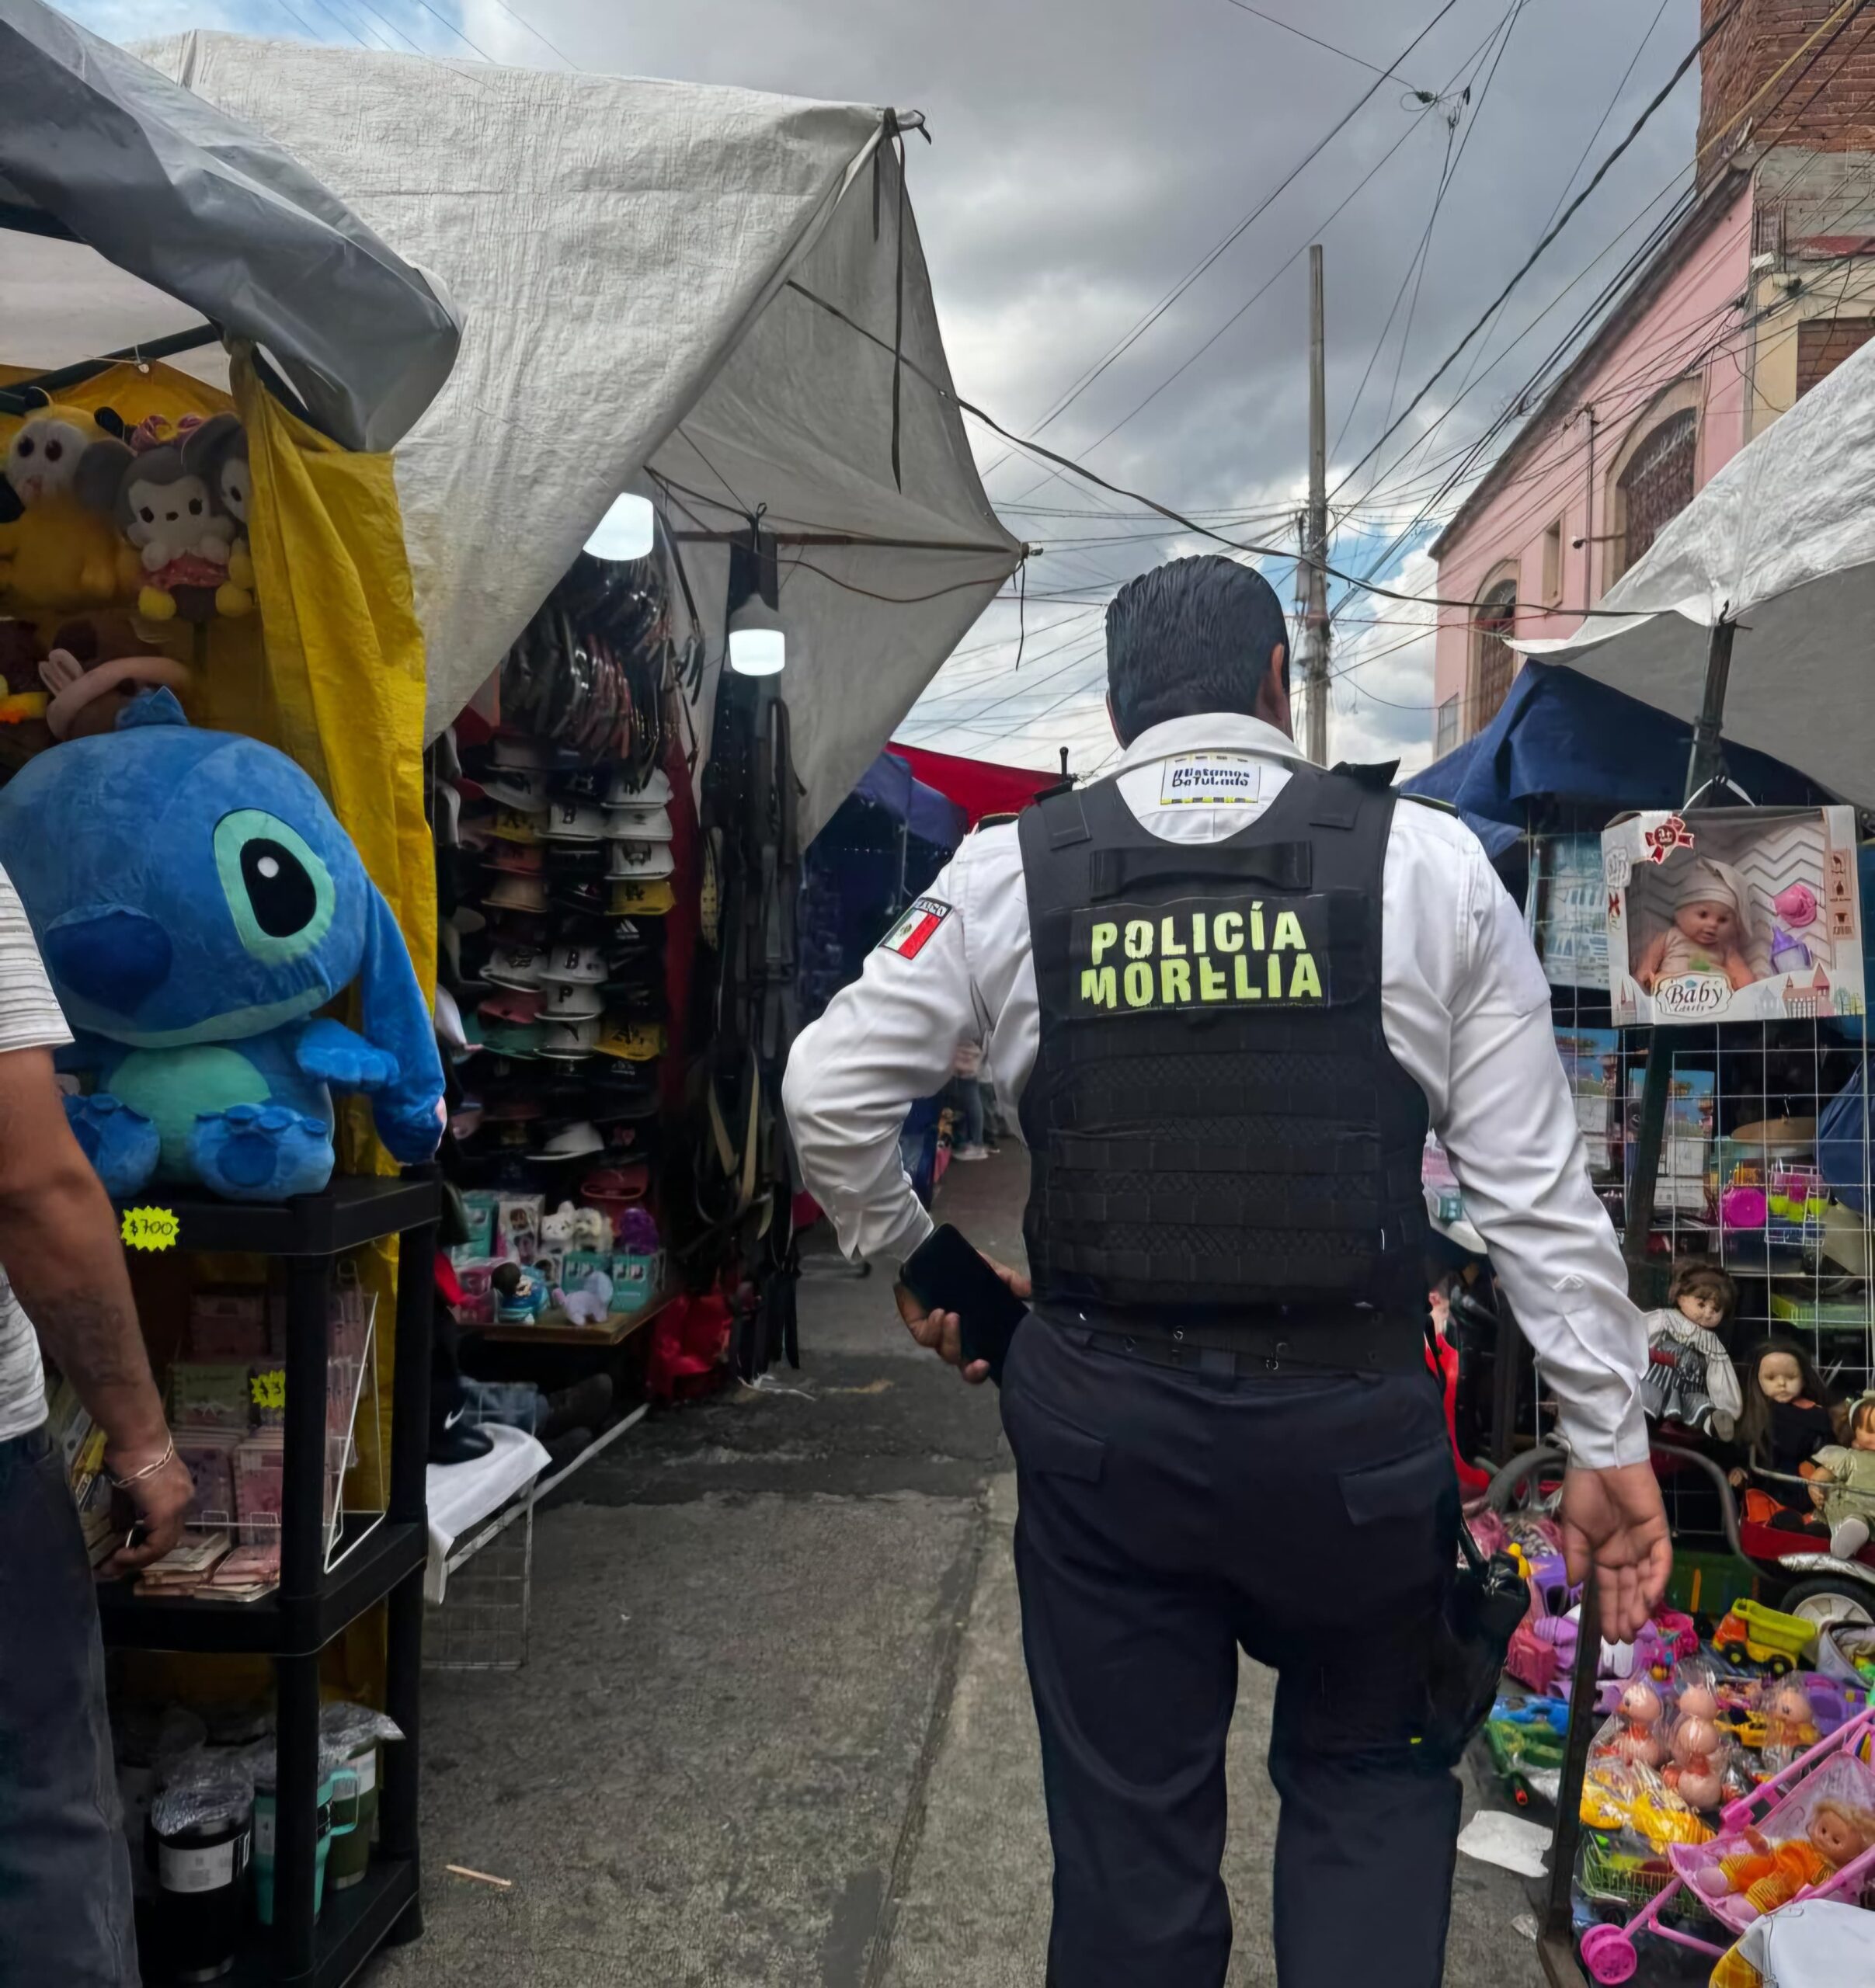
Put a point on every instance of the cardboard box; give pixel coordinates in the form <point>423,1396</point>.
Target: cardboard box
<point>1733,914</point>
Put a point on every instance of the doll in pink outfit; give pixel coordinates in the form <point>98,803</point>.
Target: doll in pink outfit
<point>1709,933</point>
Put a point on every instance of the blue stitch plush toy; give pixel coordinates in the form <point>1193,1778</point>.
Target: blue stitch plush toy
<point>195,903</point>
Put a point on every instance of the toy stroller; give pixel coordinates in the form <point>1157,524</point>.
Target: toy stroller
<point>1827,1792</point>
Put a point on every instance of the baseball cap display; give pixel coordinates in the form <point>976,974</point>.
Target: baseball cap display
<point>574,821</point>
<point>518,1039</point>
<point>515,787</point>
<point>514,966</point>
<point>572,1041</point>
<point>578,1141</point>
<point>511,1004</point>
<point>653,791</point>
<point>582,897</point>
<point>635,1040</point>
<point>640,897</point>
<point>520,859</point>
<point>572,1001</point>
<point>584,783</point>
<point>638,824</point>
<point>650,861</point>
<point>575,960</point>
<point>509,893</point>
<point>509,751</point>
<point>516,824</point>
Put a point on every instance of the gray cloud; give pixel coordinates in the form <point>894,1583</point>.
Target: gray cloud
<point>1087,153</point>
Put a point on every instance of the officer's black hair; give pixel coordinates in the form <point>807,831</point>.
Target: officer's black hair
<point>1192,636</point>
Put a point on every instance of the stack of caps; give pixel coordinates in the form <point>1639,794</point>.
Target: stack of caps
<point>559,947</point>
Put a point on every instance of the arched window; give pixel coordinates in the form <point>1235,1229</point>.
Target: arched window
<point>1655,484</point>
<point>1493,661</point>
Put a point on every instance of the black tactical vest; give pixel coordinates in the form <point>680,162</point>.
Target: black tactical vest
<point>1216,1127</point>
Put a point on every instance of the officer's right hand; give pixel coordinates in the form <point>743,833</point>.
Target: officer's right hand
<point>942,1332</point>
<point>1614,1520</point>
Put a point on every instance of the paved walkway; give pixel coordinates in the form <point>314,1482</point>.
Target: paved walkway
<point>775,1732</point>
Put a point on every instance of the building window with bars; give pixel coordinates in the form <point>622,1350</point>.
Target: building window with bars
<point>1493,662</point>
<point>1445,734</point>
<point>1657,484</point>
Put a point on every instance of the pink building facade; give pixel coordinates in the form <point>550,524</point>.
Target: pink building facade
<point>1654,407</point>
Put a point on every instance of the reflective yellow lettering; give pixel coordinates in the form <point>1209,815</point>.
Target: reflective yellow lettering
<point>1288,934</point>
<point>1169,947</point>
<point>1256,926</point>
<point>1139,938</point>
<point>1303,984</point>
<point>1197,931</point>
<point>1105,938</point>
<point>1098,984</point>
<point>1245,991</point>
<point>1275,978</point>
<point>1139,984</point>
<point>1211,980</point>
<point>1174,981</point>
<point>1227,929</point>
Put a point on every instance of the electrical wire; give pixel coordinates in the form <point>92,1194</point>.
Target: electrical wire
<point>1347,55</point>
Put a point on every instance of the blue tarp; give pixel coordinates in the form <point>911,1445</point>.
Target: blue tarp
<point>1561,736</point>
<point>930,816</point>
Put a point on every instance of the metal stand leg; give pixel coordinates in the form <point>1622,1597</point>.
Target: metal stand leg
<point>1556,1950</point>
<point>396,1815</point>
<point>302,1559</point>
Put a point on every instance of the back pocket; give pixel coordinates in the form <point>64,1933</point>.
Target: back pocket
<point>1046,1446</point>
<point>1409,1486</point>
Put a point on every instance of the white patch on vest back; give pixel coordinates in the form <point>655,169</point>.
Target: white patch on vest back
<point>1211,779</point>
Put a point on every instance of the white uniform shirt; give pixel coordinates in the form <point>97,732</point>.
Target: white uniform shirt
<point>1465,1007</point>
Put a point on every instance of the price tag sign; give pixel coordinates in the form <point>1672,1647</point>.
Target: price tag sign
<point>269,1388</point>
<point>151,1229</point>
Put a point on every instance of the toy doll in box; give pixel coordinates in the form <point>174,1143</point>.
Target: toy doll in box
<point>1690,1379</point>
<point>1709,933</point>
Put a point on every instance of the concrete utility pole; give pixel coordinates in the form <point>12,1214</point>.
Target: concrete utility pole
<point>1315,625</point>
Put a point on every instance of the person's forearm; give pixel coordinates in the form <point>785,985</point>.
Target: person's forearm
<point>59,1245</point>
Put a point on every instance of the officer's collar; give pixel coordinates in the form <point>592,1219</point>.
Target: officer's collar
<point>1211,731</point>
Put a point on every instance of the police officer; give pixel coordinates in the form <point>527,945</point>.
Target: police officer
<point>1232,992</point>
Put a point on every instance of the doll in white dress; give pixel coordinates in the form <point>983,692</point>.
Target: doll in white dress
<point>1690,1379</point>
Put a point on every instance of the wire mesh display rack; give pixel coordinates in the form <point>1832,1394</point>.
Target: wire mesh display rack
<point>482,1621</point>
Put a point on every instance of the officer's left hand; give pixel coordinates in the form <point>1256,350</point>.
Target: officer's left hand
<point>942,1332</point>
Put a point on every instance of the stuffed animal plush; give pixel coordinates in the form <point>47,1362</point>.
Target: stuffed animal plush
<point>183,537</point>
<point>63,466</point>
<point>217,453</point>
<point>195,903</point>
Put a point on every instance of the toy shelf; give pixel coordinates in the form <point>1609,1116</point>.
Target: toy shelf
<point>375,1561</point>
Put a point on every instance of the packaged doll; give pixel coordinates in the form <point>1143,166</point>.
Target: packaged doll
<point>1690,1379</point>
<point>1710,932</point>
<point>1788,1416</point>
<point>1845,1480</point>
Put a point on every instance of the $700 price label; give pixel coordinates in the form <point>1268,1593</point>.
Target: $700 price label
<point>151,1229</point>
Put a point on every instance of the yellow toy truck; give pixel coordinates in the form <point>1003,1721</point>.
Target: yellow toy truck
<point>1778,1641</point>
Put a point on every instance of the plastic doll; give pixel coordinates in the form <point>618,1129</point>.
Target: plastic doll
<point>1790,1724</point>
<point>1788,1417</point>
<point>1639,1740</point>
<point>1769,1874</point>
<point>1690,1379</point>
<point>1708,933</point>
<point>1845,1483</point>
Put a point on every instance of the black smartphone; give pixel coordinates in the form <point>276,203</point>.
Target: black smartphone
<point>945,1274</point>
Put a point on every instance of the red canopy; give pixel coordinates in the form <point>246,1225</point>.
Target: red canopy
<point>977,786</point>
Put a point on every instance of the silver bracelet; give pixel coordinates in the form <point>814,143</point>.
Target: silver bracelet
<point>148,1470</point>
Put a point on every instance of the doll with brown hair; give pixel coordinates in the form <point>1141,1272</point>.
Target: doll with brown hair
<point>1788,1415</point>
<point>1690,1379</point>
<point>1844,1481</point>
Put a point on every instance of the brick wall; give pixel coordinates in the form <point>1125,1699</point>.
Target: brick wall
<point>1824,102</point>
<point>1822,345</point>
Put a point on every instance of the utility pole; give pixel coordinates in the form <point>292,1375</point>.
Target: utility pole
<point>1315,624</point>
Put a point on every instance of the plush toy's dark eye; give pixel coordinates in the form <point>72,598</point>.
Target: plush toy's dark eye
<point>195,507</point>
<point>147,515</point>
<point>282,894</point>
<point>54,450</point>
<point>24,447</point>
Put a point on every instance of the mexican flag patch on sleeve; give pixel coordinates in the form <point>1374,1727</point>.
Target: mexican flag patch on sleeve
<point>915,928</point>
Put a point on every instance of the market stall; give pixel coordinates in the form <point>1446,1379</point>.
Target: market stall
<point>1700,909</point>
<point>213,813</point>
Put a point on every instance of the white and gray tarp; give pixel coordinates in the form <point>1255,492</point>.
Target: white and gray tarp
<point>1781,542</point>
<point>713,296</point>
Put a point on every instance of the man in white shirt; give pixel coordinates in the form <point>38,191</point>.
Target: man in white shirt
<point>1231,993</point>
<point>65,1915</point>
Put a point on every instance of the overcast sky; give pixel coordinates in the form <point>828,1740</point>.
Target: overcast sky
<point>1088,154</point>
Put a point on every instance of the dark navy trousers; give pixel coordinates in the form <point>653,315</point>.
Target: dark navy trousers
<point>1167,1520</point>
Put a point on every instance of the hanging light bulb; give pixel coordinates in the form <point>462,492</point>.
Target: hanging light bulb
<point>627,530</point>
<point>757,645</point>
